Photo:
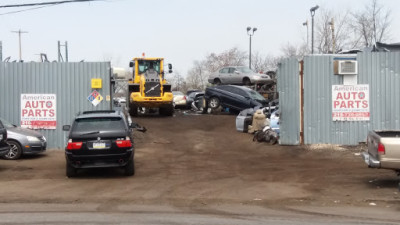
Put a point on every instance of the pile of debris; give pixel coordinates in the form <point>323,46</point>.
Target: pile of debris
<point>263,123</point>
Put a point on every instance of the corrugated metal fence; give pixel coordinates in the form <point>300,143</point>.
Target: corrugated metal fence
<point>380,71</point>
<point>70,82</point>
<point>289,101</point>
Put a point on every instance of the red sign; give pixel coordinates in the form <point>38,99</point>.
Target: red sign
<point>38,111</point>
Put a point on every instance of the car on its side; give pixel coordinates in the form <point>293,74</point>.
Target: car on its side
<point>179,99</point>
<point>236,98</point>
<point>4,147</point>
<point>23,141</point>
<point>241,75</point>
<point>100,138</point>
<point>191,98</point>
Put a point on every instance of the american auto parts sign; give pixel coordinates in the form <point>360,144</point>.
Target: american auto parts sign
<point>38,111</point>
<point>350,102</point>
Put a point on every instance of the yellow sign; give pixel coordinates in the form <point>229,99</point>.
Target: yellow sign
<point>97,83</point>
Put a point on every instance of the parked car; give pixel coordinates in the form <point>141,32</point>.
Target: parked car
<point>236,98</point>
<point>238,75</point>
<point>100,139</point>
<point>4,147</point>
<point>23,141</point>
<point>179,99</point>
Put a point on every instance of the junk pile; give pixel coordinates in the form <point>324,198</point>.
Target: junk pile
<point>262,123</point>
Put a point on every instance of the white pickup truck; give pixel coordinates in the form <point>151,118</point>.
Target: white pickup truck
<point>383,150</point>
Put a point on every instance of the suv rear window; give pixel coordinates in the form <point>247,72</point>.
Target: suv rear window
<point>99,124</point>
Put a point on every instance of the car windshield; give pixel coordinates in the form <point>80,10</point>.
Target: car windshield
<point>144,65</point>
<point>6,124</point>
<point>256,96</point>
<point>98,124</point>
<point>245,70</point>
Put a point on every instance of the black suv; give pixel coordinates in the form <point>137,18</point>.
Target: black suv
<point>100,139</point>
<point>4,147</point>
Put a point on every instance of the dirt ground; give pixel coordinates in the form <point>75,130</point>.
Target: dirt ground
<point>191,160</point>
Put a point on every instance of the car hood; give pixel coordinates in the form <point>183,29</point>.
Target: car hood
<point>23,131</point>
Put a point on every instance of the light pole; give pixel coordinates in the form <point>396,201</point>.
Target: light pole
<point>250,34</point>
<point>333,36</point>
<point>312,11</point>
<point>306,24</point>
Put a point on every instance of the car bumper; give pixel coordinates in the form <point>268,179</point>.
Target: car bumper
<point>98,160</point>
<point>370,160</point>
<point>261,81</point>
<point>34,148</point>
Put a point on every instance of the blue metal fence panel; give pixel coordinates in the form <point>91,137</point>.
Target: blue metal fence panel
<point>382,72</point>
<point>70,82</point>
<point>289,101</point>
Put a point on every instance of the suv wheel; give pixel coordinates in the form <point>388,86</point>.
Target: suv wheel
<point>214,103</point>
<point>130,167</point>
<point>15,151</point>
<point>70,170</point>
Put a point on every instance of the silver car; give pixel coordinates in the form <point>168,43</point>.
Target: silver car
<point>238,75</point>
<point>23,141</point>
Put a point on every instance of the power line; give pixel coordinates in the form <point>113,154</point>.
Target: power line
<point>45,3</point>
<point>24,10</point>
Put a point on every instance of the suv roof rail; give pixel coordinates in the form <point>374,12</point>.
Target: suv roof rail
<point>99,111</point>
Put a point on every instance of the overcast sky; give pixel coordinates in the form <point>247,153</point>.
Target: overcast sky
<point>181,31</point>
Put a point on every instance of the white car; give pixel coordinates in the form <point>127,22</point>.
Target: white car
<point>238,75</point>
<point>179,99</point>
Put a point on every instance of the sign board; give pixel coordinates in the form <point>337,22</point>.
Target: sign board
<point>95,98</point>
<point>350,102</point>
<point>97,83</point>
<point>38,111</point>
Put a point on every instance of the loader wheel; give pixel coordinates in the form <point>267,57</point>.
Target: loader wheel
<point>167,110</point>
<point>133,109</point>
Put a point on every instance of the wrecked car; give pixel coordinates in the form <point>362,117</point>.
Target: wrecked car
<point>235,98</point>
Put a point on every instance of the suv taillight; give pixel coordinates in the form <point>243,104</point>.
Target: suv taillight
<point>124,143</point>
<point>381,149</point>
<point>74,145</point>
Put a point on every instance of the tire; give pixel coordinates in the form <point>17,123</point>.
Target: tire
<point>133,109</point>
<point>167,110</point>
<point>246,81</point>
<point>70,171</point>
<point>217,82</point>
<point>15,151</point>
<point>130,167</point>
<point>214,103</point>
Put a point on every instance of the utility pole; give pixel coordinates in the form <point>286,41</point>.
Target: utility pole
<point>20,49</point>
<point>60,58</point>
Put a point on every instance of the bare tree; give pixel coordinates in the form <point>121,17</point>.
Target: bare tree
<point>371,25</point>
<point>178,82</point>
<point>297,51</point>
<point>263,64</point>
<point>197,76</point>
<point>199,73</point>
